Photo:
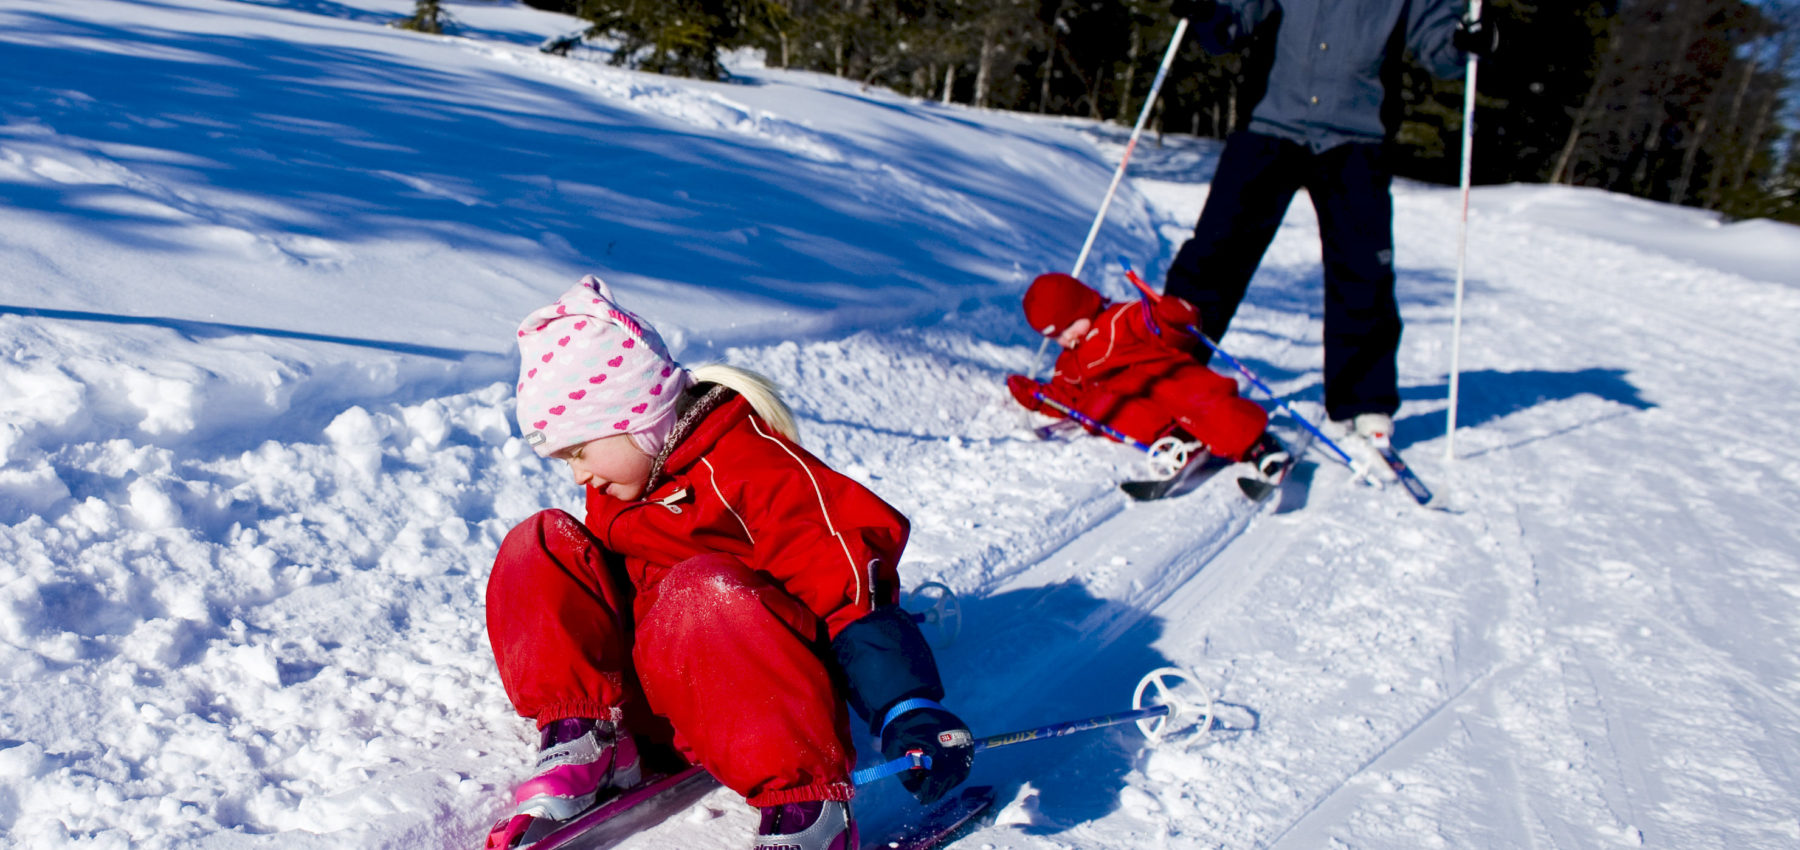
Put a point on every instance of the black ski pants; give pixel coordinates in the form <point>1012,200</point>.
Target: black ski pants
<point>1349,184</point>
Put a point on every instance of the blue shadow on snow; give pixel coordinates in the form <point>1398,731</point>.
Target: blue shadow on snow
<point>360,145</point>
<point>1037,657</point>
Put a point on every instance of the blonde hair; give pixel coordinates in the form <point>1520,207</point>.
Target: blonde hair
<point>756,389</point>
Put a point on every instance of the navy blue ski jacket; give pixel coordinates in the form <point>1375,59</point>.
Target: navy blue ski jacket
<point>1325,87</point>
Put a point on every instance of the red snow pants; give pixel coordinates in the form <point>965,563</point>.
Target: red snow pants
<point>732,661</point>
<point>1204,403</point>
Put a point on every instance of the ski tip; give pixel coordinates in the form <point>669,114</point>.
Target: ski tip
<point>943,821</point>
<point>1257,489</point>
<point>1145,491</point>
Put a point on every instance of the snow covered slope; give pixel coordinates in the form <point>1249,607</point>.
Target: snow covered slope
<point>260,262</point>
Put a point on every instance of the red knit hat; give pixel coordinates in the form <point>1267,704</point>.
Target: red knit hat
<point>1055,300</point>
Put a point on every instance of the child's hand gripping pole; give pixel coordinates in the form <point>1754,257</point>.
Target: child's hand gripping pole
<point>1360,472</point>
<point>916,760</point>
<point>1166,698</point>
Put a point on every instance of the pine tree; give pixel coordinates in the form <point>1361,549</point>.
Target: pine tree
<point>428,16</point>
<point>676,37</point>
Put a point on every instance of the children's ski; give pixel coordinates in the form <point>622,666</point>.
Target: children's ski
<point>1404,473</point>
<point>1197,470</point>
<point>1258,488</point>
<point>651,803</point>
<point>1061,429</point>
<point>938,823</point>
<point>610,822</point>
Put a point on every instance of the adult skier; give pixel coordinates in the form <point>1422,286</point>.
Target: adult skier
<point>1321,125</point>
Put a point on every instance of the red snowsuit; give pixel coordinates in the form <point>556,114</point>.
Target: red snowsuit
<point>1134,373</point>
<point>717,593</point>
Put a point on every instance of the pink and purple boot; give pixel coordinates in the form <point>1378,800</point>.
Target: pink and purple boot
<point>580,761</point>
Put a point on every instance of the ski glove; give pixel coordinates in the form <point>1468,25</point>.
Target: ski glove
<point>1479,37</point>
<point>1024,391</point>
<point>939,735</point>
<point>1177,313</point>
<point>885,662</point>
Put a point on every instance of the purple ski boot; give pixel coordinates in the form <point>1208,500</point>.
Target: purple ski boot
<point>810,825</point>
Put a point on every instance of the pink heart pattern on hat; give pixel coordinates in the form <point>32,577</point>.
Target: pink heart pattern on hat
<point>571,400</point>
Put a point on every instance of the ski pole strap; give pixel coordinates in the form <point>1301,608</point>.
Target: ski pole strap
<point>905,706</point>
<point>913,760</point>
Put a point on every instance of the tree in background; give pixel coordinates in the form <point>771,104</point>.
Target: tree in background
<point>677,37</point>
<point>428,16</point>
<point>1675,100</point>
<point>1684,101</point>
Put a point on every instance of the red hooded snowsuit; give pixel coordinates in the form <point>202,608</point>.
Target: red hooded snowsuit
<point>718,593</point>
<point>1134,371</point>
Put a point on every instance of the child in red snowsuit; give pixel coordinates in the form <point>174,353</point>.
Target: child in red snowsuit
<point>726,594</point>
<point>1129,366</point>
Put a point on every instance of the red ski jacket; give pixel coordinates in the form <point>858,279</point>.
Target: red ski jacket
<point>734,485</point>
<point>1135,373</point>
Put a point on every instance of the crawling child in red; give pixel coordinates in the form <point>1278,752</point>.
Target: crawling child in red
<point>1129,366</point>
<point>723,599</point>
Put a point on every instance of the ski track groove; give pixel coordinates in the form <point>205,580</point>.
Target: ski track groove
<point>1392,745</point>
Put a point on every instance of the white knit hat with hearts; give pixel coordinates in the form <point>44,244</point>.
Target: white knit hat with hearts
<point>589,369</point>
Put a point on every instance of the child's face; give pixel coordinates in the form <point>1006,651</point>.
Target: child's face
<point>613,465</point>
<point>1077,331</point>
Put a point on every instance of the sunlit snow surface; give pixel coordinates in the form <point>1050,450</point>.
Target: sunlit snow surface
<point>260,263</point>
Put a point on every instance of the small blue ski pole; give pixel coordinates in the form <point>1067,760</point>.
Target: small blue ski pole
<point>916,760</point>
<point>1163,461</point>
<point>1245,371</point>
<point>1090,422</point>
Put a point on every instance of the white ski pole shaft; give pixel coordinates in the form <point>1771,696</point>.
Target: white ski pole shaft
<point>1143,116</point>
<point>1462,244</point>
<point>1119,173</point>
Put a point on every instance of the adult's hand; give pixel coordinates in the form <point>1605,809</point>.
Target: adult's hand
<point>1480,37</point>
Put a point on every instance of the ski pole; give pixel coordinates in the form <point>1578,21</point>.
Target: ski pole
<point>1119,173</point>
<point>1167,456</point>
<point>1057,730</point>
<point>1091,422</point>
<point>1245,371</point>
<point>1462,242</point>
<point>1143,115</point>
<point>917,760</point>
